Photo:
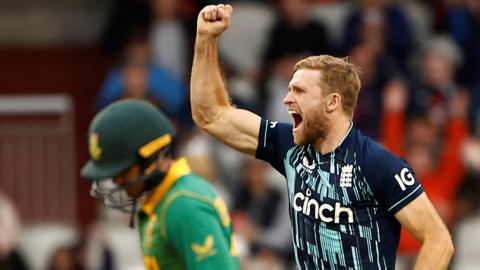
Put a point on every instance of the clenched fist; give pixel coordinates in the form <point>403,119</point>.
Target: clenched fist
<point>213,20</point>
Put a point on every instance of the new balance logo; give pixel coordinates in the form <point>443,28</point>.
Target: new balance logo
<point>346,176</point>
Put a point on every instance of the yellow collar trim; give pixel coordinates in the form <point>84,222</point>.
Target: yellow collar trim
<point>178,169</point>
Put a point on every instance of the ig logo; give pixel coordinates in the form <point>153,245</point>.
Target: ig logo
<point>405,178</point>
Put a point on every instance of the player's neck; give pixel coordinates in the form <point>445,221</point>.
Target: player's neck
<point>337,133</point>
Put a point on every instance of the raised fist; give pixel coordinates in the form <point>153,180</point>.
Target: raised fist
<point>395,96</point>
<point>213,20</point>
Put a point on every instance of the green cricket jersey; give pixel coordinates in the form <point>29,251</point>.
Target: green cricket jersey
<point>185,225</point>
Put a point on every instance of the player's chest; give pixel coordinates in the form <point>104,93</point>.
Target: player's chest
<point>155,248</point>
<point>330,189</point>
<point>333,176</point>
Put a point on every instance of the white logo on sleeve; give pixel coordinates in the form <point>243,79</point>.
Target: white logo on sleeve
<point>405,179</point>
<point>273,124</point>
<point>346,176</point>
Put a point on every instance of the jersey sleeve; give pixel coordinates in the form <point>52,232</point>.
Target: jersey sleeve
<point>196,232</point>
<point>394,182</point>
<point>274,140</point>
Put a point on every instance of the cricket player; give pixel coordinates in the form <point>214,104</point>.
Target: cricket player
<point>183,223</point>
<point>348,196</point>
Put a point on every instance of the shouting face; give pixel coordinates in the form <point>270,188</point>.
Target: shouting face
<point>306,103</point>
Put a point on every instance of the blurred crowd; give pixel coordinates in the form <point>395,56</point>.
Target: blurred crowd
<point>420,97</point>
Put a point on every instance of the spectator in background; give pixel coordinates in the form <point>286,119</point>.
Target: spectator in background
<point>468,196</point>
<point>293,36</point>
<point>382,25</point>
<point>10,228</point>
<point>440,176</point>
<point>74,257</point>
<point>467,235</point>
<point>436,85</point>
<point>137,77</point>
<point>475,109</point>
<point>260,216</point>
<point>376,73</point>
<point>63,258</point>
<point>169,39</point>
<point>126,19</point>
<point>463,23</point>
<point>469,191</point>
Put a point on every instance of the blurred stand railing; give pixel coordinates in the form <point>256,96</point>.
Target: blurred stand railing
<point>37,158</point>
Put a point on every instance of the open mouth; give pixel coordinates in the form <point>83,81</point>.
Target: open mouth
<point>297,120</point>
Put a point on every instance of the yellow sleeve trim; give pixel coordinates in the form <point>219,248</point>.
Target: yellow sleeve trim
<point>233,245</point>
<point>222,211</point>
<point>152,220</point>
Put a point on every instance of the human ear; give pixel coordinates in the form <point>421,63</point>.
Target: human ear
<point>163,163</point>
<point>333,102</point>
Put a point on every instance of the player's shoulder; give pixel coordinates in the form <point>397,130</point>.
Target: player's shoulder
<point>374,155</point>
<point>275,140</point>
<point>182,207</point>
<point>279,128</point>
<point>189,191</point>
<point>195,184</point>
<point>185,203</point>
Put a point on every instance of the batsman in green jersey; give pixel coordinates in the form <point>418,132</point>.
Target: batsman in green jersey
<point>183,223</point>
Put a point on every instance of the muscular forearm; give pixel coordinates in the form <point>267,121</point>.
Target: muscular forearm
<point>423,222</point>
<point>208,94</point>
<point>435,254</point>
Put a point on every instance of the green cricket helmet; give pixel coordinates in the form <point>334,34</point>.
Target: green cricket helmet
<point>125,133</point>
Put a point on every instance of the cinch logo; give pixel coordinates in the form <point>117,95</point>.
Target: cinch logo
<point>325,212</point>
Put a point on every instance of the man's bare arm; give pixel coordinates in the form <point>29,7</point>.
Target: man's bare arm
<point>211,108</point>
<point>422,221</point>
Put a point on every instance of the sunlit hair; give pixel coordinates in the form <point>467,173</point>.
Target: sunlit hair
<point>338,75</point>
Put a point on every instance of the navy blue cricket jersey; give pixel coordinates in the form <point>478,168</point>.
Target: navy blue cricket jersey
<point>342,204</point>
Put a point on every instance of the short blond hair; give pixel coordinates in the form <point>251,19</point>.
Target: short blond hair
<point>337,75</point>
